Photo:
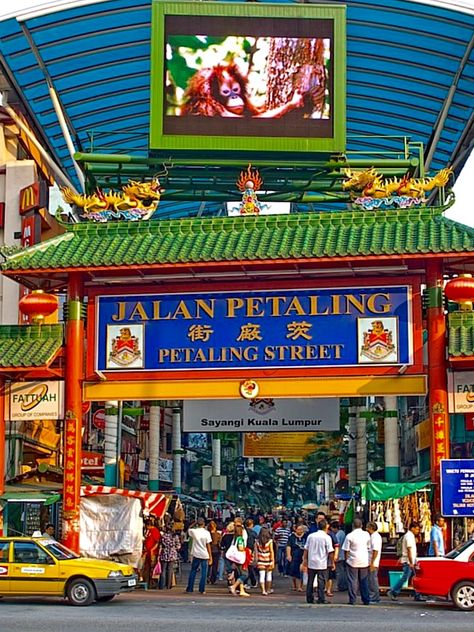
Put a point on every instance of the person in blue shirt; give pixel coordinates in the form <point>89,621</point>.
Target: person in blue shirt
<point>437,537</point>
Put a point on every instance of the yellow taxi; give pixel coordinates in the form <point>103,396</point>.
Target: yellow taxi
<point>42,566</point>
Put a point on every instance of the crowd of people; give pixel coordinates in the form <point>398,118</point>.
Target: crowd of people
<point>317,555</point>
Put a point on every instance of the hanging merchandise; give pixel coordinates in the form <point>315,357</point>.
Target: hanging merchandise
<point>394,516</point>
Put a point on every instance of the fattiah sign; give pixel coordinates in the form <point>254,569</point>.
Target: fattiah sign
<point>329,327</point>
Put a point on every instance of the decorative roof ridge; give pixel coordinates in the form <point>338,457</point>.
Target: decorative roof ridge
<point>195,225</point>
<point>42,332</point>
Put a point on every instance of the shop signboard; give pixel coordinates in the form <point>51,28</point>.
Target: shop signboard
<point>36,400</point>
<point>461,391</point>
<point>298,328</point>
<point>457,487</point>
<point>261,415</point>
<point>92,461</point>
<point>278,445</point>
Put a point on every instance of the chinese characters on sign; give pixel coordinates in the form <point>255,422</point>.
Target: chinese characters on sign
<point>70,489</point>
<point>335,327</point>
<point>440,445</point>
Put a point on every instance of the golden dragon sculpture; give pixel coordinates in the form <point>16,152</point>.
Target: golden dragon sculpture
<point>135,196</point>
<point>369,183</point>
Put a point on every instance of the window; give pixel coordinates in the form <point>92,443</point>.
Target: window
<point>30,553</point>
<point>4,548</point>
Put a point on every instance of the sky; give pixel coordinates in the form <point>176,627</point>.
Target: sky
<point>462,210</point>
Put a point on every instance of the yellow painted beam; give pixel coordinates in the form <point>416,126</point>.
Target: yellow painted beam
<point>268,387</point>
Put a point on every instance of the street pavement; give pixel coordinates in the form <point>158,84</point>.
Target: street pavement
<point>218,611</point>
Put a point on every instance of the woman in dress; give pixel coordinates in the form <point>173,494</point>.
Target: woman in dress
<point>265,559</point>
<point>169,551</point>
<point>294,556</point>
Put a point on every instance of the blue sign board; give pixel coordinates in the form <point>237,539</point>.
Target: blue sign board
<point>328,327</point>
<point>457,487</point>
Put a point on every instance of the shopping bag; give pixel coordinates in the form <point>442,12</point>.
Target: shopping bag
<point>157,570</point>
<point>234,555</point>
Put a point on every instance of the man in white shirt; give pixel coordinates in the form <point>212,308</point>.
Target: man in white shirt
<point>408,561</point>
<point>356,548</point>
<point>318,558</point>
<point>201,554</point>
<point>374,562</point>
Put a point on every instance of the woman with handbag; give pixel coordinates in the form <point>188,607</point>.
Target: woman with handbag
<point>265,558</point>
<point>237,554</point>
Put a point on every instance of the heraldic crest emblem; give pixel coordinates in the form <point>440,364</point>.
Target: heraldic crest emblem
<point>125,348</point>
<point>377,342</point>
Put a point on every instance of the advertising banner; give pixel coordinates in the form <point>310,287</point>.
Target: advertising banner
<point>457,487</point>
<point>261,415</point>
<point>278,445</point>
<point>36,400</point>
<point>327,327</point>
<point>461,391</point>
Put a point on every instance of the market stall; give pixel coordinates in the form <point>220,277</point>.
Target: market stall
<point>394,507</point>
<point>111,525</point>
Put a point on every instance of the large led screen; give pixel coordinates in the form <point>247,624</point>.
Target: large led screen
<point>253,79</point>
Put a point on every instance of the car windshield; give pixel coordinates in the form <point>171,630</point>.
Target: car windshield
<point>59,551</point>
<point>452,555</point>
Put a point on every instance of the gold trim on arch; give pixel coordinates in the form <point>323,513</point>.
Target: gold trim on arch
<point>268,387</point>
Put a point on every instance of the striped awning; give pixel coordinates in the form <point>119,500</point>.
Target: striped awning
<point>153,503</point>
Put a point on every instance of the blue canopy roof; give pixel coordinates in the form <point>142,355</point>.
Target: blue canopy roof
<point>410,72</point>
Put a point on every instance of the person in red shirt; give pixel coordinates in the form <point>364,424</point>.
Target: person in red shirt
<point>151,547</point>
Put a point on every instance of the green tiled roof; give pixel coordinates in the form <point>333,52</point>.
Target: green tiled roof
<point>461,334</point>
<point>254,238</point>
<point>29,345</point>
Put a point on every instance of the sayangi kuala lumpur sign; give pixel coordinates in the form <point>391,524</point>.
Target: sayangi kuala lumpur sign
<point>329,327</point>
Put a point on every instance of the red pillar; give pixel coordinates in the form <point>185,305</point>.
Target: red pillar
<point>73,416</point>
<point>437,375</point>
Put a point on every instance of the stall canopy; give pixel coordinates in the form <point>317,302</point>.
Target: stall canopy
<point>154,504</point>
<point>375,490</point>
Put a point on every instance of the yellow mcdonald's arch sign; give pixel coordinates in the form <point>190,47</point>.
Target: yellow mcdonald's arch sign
<point>29,198</point>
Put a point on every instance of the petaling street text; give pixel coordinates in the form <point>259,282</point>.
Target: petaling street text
<point>254,307</point>
<point>250,354</point>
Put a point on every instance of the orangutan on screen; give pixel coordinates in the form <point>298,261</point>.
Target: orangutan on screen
<point>222,91</point>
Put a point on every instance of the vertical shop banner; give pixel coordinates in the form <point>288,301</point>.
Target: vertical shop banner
<point>327,327</point>
<point>457,487</point>
<point>70,490</point>
<point>261,415</point>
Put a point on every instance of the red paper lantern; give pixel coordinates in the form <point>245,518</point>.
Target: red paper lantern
<point>38,304</point>
<point>460,290</point>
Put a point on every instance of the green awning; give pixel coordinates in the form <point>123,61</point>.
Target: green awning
<point>31,496</point>
<point>377,490</point>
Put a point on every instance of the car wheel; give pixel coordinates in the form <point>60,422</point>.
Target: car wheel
<point>80,592</point>
<point>463,595</point>
<point>106,598</point>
